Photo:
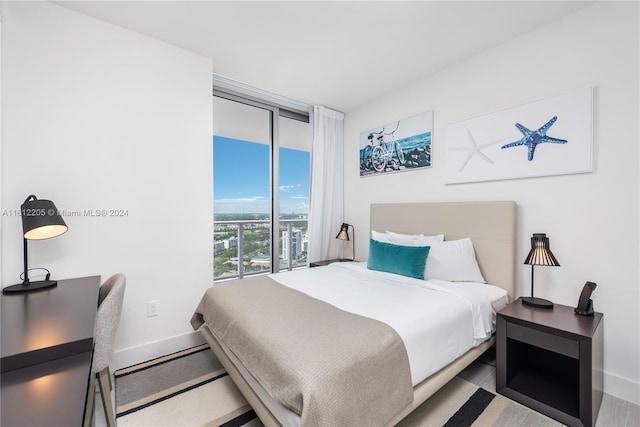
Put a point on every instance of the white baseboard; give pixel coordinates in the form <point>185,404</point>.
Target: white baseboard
<point>151,350</point>
<point>624,388</point>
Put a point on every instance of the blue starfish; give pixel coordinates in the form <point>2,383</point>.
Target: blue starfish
<point>532,138</point>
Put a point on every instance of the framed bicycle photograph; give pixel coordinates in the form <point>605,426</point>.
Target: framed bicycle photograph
<point>398,146</point>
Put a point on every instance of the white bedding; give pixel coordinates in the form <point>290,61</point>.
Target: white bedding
<point>459,315</point>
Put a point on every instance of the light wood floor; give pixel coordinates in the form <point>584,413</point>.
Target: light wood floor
<point>614,412</point>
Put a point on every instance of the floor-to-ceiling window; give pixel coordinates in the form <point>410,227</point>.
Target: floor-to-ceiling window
<point>261,159</point>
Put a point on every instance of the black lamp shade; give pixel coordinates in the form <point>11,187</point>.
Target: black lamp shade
<point>540,253</point>
<point>344,232</point>
<point>41,219</point>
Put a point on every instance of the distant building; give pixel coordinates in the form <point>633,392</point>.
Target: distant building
<point>262,261</point>
<point>218,248</point>
<point>221,246</point>
<point>296,244</point>
<point>231,243</point>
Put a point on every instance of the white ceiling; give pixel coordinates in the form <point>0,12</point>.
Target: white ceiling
<point>332,53</point>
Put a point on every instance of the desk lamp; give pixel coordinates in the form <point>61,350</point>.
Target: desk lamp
<point>344,235</point>
<point>540,254</point>
<point>40,220</point>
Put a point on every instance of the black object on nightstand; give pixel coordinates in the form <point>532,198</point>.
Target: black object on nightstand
<point>551,361</point>
<point>328,261</point>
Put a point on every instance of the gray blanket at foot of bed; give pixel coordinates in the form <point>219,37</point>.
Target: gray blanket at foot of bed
<point>332,367</point>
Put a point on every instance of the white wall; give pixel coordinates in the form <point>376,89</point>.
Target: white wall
<point>591,219</point>
<point>98,117</point>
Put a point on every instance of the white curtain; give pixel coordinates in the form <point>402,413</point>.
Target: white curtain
<point>326,205</point>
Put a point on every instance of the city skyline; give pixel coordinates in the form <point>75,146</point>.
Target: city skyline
<point>241,178</point>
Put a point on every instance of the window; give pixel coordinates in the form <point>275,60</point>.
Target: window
<point>261,160</point>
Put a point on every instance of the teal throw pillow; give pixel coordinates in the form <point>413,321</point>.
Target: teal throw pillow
<point>404,260</point>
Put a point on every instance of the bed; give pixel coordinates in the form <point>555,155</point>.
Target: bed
<point>385,378</point>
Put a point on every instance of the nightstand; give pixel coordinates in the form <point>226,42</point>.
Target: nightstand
<point>328,261</point>
<point>551,361</point>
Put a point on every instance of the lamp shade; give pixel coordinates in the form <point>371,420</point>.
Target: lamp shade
<point>41,219</point>
<point>344,232</point>
<point>540,253</point>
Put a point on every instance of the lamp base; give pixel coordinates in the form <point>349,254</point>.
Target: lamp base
<point>29,287</point>
<point>537,302</point>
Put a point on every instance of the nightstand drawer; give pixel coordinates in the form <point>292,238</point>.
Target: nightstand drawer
<point>561,345</point>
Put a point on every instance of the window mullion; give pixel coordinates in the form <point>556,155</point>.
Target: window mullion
<point>275,193</point>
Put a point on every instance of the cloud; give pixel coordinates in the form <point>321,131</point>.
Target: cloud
<point>288,188</point>
<point>250,199</point>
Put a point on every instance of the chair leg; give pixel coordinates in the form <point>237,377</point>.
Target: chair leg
<point>105,393</point>
<point>91,398</point>
<point>110,382</point>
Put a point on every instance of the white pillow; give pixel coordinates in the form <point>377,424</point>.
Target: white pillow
<point>380,237</point>
<point>454,261</point>
<point>413,239</point>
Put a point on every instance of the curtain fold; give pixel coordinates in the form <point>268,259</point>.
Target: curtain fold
<point>327,185</point>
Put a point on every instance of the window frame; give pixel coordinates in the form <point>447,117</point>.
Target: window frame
<point>276,111</point>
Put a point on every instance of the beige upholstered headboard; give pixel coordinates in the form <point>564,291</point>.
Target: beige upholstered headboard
<point>490,225</point>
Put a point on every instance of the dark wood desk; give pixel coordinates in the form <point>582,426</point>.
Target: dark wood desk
<point>47,349</point>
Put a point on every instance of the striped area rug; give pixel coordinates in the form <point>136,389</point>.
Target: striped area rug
<point>187,388</point>
<point>459,403</point>
<point>191,388</point>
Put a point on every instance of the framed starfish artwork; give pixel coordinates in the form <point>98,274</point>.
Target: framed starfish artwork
<point>553,136</point>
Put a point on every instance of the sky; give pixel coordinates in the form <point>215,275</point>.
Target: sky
<point>241,178</point>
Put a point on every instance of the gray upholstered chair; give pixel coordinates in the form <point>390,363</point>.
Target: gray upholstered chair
<point>109,309</point>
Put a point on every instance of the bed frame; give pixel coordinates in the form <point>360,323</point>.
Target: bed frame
<point>492,228</point>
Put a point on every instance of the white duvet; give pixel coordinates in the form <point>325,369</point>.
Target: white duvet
<point>437,320</point>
